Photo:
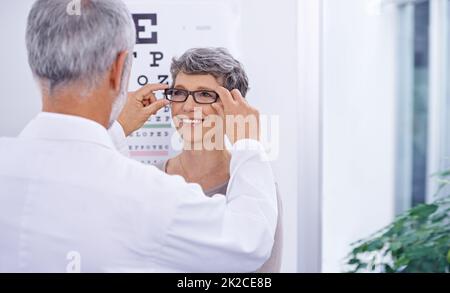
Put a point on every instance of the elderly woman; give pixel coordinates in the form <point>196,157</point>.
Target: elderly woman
<point>193,105</point>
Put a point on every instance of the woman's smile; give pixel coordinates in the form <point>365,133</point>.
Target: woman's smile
<point>191,122</point>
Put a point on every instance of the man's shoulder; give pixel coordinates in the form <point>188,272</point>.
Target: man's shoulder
<point>6,139</point>
<point>8,142</point>
<point>82,160</point>
<point>128,162</point>
<point>130,172</point>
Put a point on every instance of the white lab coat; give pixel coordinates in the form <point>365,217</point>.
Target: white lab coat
<point>69,201</point>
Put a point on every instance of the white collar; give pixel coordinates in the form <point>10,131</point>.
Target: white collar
<point>55,126</point>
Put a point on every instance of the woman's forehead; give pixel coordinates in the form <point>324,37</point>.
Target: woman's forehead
<point>196,81</point>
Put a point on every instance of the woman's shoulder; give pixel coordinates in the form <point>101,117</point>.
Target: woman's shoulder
<point>162,165</point>
<point>219,189</point>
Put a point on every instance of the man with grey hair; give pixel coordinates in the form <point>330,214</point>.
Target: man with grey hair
<point>70,202</point>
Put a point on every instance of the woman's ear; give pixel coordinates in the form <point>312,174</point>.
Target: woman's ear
<point>117,70</point>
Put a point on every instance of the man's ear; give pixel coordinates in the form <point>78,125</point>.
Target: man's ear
<point>117,71</point>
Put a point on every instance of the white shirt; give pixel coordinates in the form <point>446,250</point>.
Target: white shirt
<point>69,201</point>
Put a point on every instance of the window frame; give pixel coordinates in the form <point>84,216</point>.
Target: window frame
<point>309,243</point>
<point>438,78</point>
<point>437,126</point>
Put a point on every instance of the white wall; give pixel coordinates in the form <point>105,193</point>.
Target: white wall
<point>268,37</point>
<point>359,125</point>
<point>270,57</point>
<point>19,99</point>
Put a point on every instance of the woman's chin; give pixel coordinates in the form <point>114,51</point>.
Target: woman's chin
<point>189,140</point>
<point>198,136</point>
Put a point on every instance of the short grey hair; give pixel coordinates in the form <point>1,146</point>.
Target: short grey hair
<point>215,61</point>
<point>64,48</point>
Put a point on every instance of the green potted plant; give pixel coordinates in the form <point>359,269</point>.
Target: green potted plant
<point>417,241</point>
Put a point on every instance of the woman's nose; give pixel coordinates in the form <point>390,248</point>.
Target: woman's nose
<point>189,105</point>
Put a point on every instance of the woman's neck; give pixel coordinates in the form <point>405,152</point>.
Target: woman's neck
<point>207,168</point>
<point>203,159</point>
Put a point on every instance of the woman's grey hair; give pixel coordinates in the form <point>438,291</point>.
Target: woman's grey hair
<point>215,61</point>
<point>64,48</point>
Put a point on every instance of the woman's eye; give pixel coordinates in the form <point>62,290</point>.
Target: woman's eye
<point>206,94</point>
<point>178,93</point>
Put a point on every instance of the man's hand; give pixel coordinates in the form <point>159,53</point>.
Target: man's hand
<point>140,105</point>
<point>241,119</point>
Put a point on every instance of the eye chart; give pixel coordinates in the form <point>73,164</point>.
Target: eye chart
<point>166,29</point>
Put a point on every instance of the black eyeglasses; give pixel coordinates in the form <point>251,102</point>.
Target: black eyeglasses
<point>200,97</point>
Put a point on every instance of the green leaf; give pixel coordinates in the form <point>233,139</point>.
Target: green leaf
<point>397,228</point>
<point>438,217</point>
<point>388,269</point>
<point>360,249</point>
<point>444,174</point>
<point>423,210</point>
<point>375,245</point>
<point>402,261</point>
<point>396,246</point>
<point>416,241</point>
<point>361,266</point>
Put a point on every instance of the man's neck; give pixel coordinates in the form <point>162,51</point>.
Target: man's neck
<point>93,107</point>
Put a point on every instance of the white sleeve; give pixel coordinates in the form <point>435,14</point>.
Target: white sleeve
<point>225,234</point>
<point>118,137</point>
